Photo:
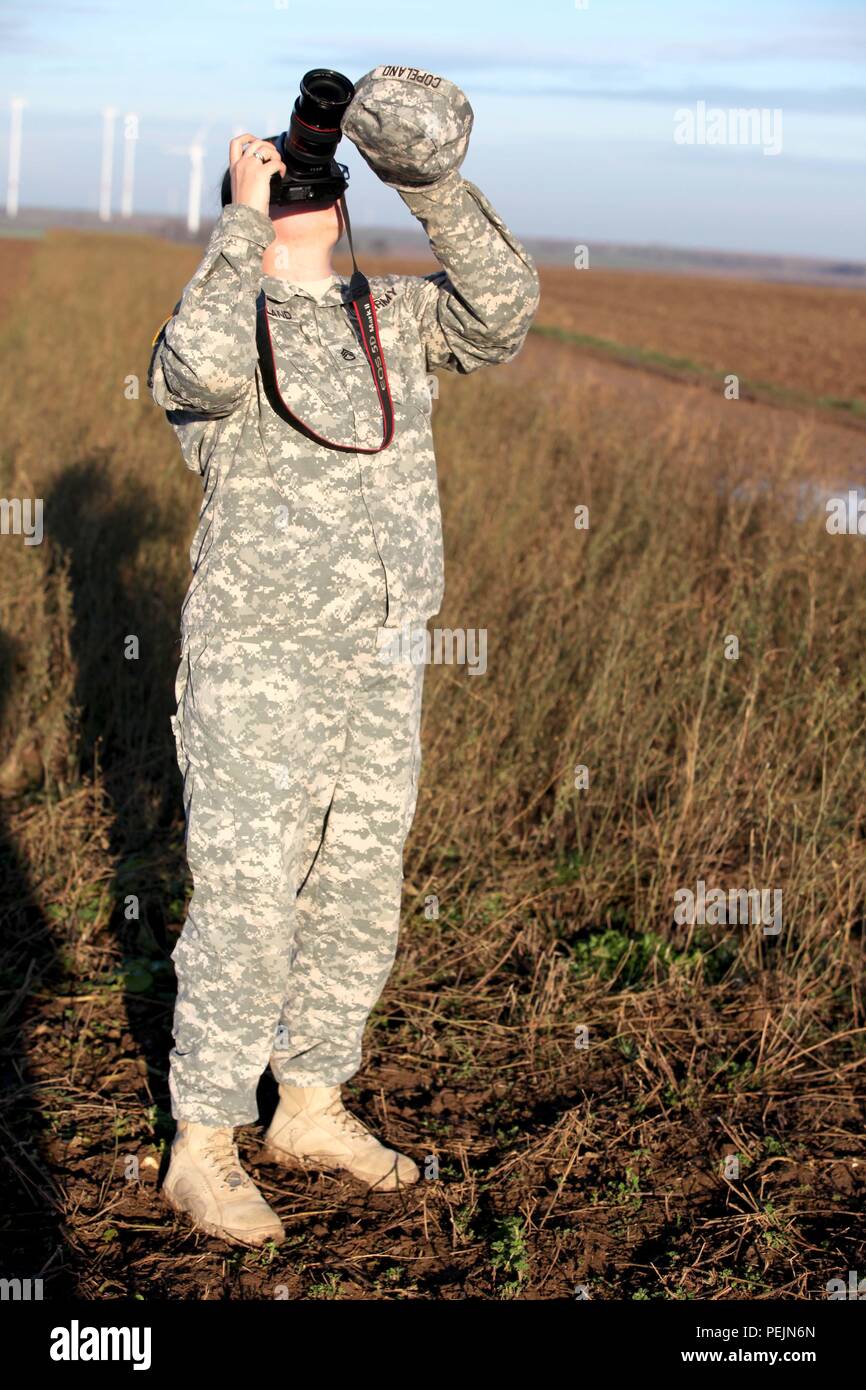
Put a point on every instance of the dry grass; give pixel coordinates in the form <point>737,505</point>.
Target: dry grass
<point>603,1165</point>
<point>803,337</point>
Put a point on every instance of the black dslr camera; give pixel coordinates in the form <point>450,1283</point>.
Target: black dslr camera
<point>307,147</point>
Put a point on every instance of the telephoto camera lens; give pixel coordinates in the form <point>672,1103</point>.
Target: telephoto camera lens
<point>314,130</point>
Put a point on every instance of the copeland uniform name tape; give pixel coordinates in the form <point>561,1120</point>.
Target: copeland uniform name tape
<point>426,79</point>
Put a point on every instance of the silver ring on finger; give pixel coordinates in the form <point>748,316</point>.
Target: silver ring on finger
<point>257,154</point>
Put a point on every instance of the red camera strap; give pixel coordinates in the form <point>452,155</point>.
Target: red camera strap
<point>362,307</point>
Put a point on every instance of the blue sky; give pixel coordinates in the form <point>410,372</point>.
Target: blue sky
<point>574,108</point>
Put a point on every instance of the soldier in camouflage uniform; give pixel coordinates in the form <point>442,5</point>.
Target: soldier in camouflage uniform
<point>299,746</point>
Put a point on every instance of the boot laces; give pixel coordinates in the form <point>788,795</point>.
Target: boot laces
<point>223,1153</point>
<point>348,1123</point>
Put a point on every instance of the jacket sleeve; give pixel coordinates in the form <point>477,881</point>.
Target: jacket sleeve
<point>206,355</point>
<point>478,309</point>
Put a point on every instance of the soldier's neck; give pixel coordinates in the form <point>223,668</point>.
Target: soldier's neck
<point>297,263</point>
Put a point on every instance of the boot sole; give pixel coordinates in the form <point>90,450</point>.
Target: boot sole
<point>268,1154</point>
<point>211,1229</point>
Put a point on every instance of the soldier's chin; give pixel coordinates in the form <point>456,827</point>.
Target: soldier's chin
<point>277,211</point>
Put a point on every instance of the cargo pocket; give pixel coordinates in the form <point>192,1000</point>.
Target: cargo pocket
<point>198,965</point>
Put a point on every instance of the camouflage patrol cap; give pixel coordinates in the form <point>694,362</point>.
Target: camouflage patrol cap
<point>411,126</point>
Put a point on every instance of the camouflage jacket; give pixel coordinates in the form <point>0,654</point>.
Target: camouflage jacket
<point>295,538</point>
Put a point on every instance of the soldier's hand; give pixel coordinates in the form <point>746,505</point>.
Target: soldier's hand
<point>251,176</point>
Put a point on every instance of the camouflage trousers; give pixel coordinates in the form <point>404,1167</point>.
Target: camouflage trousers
<point>300,763</point>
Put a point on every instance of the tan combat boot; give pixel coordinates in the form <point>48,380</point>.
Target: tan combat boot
<point>205,1181</point>
<point>310,1128</point>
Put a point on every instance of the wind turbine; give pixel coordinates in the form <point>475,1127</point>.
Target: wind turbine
<point>195,152</point>
<point>14,175</point>
<point>108,117</point>
<point>130,140</point>
<point>196,179</point>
